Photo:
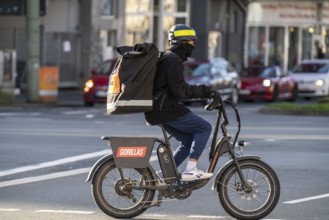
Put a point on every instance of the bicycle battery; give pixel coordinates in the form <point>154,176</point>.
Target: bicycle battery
<point>167,164</point>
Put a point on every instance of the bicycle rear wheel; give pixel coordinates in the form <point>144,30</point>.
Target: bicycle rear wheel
<point>255,202</point>
<point>111,196</point>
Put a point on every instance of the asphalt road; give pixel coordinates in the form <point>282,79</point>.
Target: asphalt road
<point>46,153</point>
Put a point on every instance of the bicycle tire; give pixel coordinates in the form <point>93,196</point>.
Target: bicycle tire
<point>262,178</point>
<point>109,197</point>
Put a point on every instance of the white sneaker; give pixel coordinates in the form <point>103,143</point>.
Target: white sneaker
<point>195,174</point>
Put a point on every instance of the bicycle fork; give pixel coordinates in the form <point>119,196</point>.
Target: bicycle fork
<point>224,146</point>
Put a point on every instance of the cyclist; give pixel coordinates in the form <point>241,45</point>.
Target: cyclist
<point>188,128</point>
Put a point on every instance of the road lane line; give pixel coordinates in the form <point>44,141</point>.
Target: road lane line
<point>207,217</point>
<point>54,163</point>
<point>51,176</point>
<point>67,212</point>
<point>9,210</point>
<point>44,177</point>
<point>307,199</point>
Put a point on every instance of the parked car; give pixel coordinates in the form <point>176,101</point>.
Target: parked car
<point>267,83</point>
<point>95,89</point>
<point>312,77</point>
<point>216,72</point>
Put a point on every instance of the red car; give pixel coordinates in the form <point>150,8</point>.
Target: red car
<point>267,83</point>
<point>95,89</point>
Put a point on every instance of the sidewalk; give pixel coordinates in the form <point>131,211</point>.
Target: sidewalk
<point>66,98</point>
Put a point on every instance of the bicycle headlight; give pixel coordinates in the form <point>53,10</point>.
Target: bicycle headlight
<point>266,83</point>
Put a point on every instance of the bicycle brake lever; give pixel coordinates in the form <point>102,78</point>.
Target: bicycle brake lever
<point>212,105</point>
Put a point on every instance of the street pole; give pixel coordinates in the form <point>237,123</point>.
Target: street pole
<point>33,49</point>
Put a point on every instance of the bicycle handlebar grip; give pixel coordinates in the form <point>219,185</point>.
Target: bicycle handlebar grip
<point>213,104</point>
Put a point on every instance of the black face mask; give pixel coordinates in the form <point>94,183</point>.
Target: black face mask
<point>188,49</point>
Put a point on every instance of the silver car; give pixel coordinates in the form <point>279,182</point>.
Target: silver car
<point>217,73</point>
<point>312,77</point>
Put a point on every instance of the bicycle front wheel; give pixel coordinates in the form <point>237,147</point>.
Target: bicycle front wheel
<point>256,200</point>
<point>113,198</point>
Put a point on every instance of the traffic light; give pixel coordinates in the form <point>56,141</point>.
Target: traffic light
<point>18,7</point>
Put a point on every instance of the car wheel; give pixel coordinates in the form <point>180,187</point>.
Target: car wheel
<point>275,94</point>
<point>89,104</point>
<point>235,96</point>
<point>294,94</point>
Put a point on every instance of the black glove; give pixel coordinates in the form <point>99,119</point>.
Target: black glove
<point>214,95</point>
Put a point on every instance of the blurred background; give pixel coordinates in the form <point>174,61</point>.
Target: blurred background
<point>77,36</point>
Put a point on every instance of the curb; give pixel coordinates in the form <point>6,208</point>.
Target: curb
<point>269,110</point>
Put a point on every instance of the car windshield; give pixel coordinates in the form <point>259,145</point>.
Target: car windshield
<point>311,68</point>
<point>105,68</point>
<point>202,69</point>
<point>268,72</point>
<point>252,71</point>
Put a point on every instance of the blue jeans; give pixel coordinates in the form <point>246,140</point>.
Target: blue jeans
<point>192,132</point>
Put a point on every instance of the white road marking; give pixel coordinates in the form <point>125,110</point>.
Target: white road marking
<point>74,112</point>
<point>54,163</point>
<point>207,217</point>
<point>90,116</point>
<point>154,215</point>
<point>216,217</point>
<point>81,212</point>
<point>9,210</point>
<point>270,140</point>
<point>53,175</point>
<point>44,177</point>
<point>67,212</point>
<point>307,199</point>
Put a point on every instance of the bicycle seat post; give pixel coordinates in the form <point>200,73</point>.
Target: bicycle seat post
<point>164,134</point>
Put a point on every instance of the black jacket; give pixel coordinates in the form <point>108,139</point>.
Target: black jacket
<point>170,87</point>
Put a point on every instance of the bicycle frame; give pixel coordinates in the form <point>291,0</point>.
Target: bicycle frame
<point>223,146</point>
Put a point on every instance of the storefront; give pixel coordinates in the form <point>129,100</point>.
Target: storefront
<point>285,32</point>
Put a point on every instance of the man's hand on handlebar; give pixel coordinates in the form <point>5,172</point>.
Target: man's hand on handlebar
<point>215,102</point>
<point>214,95</point>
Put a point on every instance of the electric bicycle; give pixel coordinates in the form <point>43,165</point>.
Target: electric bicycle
<point>124,184</point>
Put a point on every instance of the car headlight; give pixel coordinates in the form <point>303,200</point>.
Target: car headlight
<point>319,82</point>
<point>266,83</point>
<point>88,85</point>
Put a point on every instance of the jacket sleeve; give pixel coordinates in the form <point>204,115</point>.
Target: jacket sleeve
<point>177,85</point>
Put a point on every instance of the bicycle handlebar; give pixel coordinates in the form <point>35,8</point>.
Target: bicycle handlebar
<point>219,105</point>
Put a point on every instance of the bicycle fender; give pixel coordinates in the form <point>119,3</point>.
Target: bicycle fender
<point>104,160</point>
<point>99,162</point>
<point>228,164</point>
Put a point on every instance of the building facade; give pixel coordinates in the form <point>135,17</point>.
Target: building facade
<point>77,36</point>
<point>286,32</point>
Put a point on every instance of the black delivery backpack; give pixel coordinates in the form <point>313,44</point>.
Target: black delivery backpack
<point>130,87</point>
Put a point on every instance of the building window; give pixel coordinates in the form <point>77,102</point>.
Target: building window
<point>276,46</point>
<point>293,47</point>
<point>214,44</point>
<point>325,34</point>
<point>307,43</point>
<point>175,5</point>
<point>138,6</point>
<point>234,22</point>
<point>139,26</point>
<point>111,38</point>
<point>108,8</point>
<point>174,12</point>
<point>256,46</point>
